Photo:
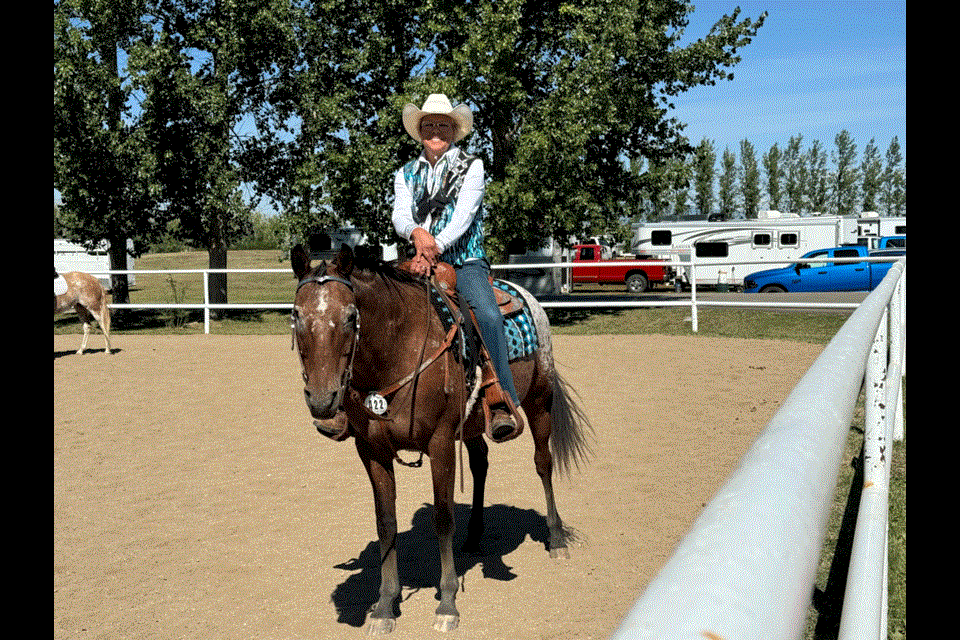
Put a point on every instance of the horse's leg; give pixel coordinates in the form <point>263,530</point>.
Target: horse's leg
<point>85,318</point>
<point>103,319</point>
<point>477,449</point>
<point>443,468</point>
<point>380,472</point>
<point>539,417</point>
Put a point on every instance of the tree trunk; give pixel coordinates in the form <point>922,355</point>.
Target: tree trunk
<point>217,252</point>
<point>119,282</point>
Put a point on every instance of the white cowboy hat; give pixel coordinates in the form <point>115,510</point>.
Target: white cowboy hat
<point>437,103</point>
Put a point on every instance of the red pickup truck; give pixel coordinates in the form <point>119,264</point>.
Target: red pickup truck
<point>593,268</point>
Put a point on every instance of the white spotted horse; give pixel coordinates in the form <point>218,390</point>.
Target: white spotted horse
<point>86,296</point>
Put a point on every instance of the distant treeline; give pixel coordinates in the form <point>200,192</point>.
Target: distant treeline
<point>791,178</point>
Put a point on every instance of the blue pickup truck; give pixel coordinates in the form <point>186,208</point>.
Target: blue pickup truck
<point>822,274</point>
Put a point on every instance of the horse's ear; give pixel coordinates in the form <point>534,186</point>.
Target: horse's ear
<point>300,261</point>
<point>344,260</point>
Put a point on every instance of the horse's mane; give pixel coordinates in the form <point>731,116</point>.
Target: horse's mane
<point>368,268</point>
<point>389,270</point>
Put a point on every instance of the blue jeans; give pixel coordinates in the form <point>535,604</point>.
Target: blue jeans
<point>473,285</point>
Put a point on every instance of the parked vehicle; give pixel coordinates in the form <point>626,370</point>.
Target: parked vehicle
<point>822,274</point>
<point>774,238</point>
<point>69,256</point>
<point>591,267</point>
<point>892,242</point>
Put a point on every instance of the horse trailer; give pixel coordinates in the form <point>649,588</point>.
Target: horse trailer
<point>772,240</point>
<point>68,256</point>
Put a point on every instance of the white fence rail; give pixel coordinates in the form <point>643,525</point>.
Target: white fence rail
<point>747,567</point>
<point>693,302</point>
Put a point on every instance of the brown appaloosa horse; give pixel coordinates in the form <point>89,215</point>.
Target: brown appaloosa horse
<point>85,294</point>
<point>379,365</point>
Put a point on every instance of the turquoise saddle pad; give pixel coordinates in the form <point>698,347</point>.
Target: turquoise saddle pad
<point>519,328</point>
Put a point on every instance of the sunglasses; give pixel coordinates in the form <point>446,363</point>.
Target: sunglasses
<point>442,127</point>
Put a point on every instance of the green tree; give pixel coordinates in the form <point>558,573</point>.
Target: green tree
<point>661,184</point>
<point>816,193</point>
<point>200,67</point>
<point>749,179</point>
<point>561,94</point>
<point>871,170</point>
<point>102,166</point>
<point>846,174</point>
<point>704,161</point>
<point>564,91</point>
<point>796,174</point>
<point>329,121</point>
<point>893,198</point>
<point>681,191</point>
<point>773,162</point>
<point>726,192</point>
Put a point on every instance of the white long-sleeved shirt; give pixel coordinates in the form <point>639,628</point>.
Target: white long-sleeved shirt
<point>468,200</point>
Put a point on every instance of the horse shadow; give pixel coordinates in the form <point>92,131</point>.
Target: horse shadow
<point>418,557</point>
<point>73,352</point>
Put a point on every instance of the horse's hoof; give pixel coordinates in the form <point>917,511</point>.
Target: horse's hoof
<point>446,623</point>
<point>560,553</point>
<point>381,626</point>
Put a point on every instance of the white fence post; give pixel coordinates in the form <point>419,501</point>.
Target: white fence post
<point>694,318</point>
<point>206,302</point>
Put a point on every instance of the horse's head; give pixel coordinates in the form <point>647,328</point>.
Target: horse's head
<point>326,325</point>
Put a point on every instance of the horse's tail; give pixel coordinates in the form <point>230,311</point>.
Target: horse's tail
<point>569,426</point>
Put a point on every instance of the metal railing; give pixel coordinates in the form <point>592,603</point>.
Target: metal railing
<point>693,302</point>
<point>747,567</point>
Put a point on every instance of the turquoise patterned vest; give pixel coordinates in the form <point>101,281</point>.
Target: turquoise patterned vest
<point>470,244</point>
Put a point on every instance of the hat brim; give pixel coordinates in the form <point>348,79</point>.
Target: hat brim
<point>461,115</point>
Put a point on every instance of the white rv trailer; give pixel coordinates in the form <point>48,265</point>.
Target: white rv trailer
<point>324,245</point>
<point>772,240</point>
<point>68,256</point>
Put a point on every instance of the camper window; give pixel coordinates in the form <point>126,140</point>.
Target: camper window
<point>789,240</point>
<point>712,249</point>
<point>662,238</point>
<point>761,240</point>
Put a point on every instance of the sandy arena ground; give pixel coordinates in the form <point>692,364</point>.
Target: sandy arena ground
<point>193,499</point>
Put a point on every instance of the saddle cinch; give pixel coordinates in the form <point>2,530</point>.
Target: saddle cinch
<point>492,394</point>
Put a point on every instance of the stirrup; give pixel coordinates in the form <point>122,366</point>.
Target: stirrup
<point>502,421</point>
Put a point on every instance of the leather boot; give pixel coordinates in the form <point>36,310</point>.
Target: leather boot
<point>503,420</point>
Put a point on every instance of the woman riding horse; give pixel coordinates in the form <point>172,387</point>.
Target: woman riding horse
<point>438,206</point>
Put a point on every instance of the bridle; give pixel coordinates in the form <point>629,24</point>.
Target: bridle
<point>348,371</point>
<point>374,402</point>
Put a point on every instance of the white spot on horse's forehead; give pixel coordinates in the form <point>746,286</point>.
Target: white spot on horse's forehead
<point>322,303</point>
<point>324,309</point>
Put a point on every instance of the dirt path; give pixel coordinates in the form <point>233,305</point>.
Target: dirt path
<point>193,499</point>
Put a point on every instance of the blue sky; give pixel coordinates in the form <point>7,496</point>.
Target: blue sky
<point>816,68</point>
